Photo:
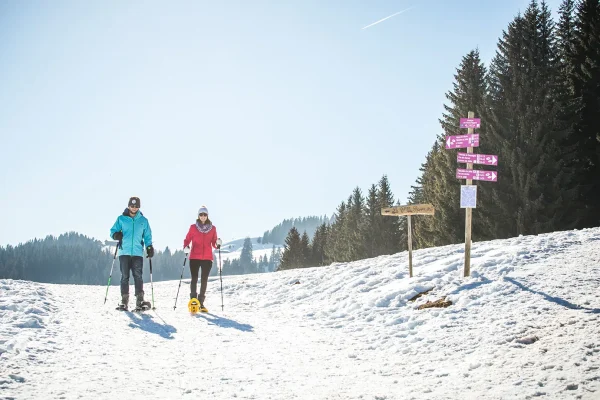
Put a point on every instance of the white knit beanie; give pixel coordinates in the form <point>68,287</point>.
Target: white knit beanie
<point>203,209</point>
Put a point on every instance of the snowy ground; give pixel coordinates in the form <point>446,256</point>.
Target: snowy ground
<point>525,325</point>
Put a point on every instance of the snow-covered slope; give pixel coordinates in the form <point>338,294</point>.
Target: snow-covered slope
<point>525,325</point>
<point>233,249</point>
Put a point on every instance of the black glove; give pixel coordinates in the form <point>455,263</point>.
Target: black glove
<point>118,235</point>
<point>150,251</point>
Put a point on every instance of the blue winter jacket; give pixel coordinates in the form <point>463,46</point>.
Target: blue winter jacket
<point>136,233</point>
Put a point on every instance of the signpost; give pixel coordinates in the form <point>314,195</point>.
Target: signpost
<point>470,122</point>
<point>414,209</point>
<point>462,141</point>
<point>476,175</point>
<point>468,192</point>
<point>485,159</point>
<point>468,211</point>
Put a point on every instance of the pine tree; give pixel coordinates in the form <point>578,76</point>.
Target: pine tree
<point>438,184</point>
<point>278,257</point>
<point>424,228</point>
<point>373,220</point>
<point>319,243</point>
<point>272,260</point>
<point>341,244</point>
<point>388,239</point>
<point>469,94</point>
<point>565,33</point>
<point>356,226</point>
<point>292,256</point>
<point>246,258</point>
<point>306,250</point>
<point>336,238</point>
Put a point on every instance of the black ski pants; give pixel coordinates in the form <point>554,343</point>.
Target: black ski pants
<point>133,264</point>
<point>195,266</point>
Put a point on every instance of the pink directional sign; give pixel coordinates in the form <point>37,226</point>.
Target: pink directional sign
<point>470,122</point>
<point>462,141</point>
<point>485,159</point>
<point>477,175</point>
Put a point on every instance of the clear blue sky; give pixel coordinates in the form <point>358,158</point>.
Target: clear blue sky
<point>260,110</point>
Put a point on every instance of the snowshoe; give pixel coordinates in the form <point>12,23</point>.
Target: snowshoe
<point>203,308</point>
<point>143,306</point>
<point>124,302</point>
<point>194,305</point>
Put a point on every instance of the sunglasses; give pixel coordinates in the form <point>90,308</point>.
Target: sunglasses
<point>134,206</point>
<point>203,214</point>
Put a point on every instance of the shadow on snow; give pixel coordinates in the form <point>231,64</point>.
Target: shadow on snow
<point>225,322</point>
<point>553,299</point>
<point>146,323</point>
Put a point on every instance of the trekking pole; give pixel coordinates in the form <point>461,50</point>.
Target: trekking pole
<point>151,284</point>
<point>180,278</point>
<point>221,276</point>
<point>111,270</point>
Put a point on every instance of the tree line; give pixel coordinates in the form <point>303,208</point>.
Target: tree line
<point>73,258</point>
<point>358,231</point>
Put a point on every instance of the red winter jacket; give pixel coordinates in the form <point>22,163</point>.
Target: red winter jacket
<point>202,243</point>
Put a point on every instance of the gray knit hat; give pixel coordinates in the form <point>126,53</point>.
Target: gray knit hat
<point>203,209</point>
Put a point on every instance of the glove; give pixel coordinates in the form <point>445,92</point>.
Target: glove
<point>118,235</point>
<point>150,251</point>
<point>186,250</point>
<point>219,242</point>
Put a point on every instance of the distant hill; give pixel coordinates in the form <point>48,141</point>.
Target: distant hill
<point>278,234</point>
<point>233,249</point>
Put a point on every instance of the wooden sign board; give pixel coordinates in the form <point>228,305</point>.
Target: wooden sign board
<point>414,209</point>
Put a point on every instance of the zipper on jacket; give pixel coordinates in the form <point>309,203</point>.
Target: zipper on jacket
<point>133,235</point>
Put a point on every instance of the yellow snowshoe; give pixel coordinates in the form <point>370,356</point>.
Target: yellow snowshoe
<point>194,305</point>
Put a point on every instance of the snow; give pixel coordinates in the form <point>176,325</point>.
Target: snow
<point>233,249</point>
<point>525,325</point>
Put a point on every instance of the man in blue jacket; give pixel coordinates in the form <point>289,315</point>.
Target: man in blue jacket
<point>133,231</point>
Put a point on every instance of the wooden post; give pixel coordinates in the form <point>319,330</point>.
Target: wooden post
<point>413,209</point>
<point>468,214</point>
<point>409,248</point>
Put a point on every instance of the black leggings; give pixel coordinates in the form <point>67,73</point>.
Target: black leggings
<point>194,269</point>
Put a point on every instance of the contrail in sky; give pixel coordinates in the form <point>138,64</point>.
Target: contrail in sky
<point>390,16</point>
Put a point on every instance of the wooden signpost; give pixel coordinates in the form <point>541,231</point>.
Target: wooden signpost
<point>414,209</point>
<point>469,191</point>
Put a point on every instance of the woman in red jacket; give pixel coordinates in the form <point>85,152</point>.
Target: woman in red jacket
<point>203,237</point>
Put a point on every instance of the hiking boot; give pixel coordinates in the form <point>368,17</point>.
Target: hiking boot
<point>140,303</point>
